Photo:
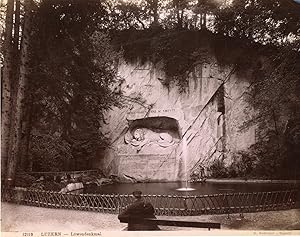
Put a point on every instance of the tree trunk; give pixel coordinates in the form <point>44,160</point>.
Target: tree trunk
<point>16,40</point>
<point>16,50</point>
<point>6,87</point>
<point>25,162</point>
<point>15,73</point>
<point>179,21</point>
<point>204,21</point>
<point>15,147</point>
<point>155,13</point>
<point>177,12</point>
<point>201,16</point>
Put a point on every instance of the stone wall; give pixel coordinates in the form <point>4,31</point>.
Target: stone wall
<point>203,117</point>
<point>238,111</point>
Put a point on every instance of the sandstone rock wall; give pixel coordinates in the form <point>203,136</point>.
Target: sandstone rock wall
<point>238,111</point>
<point>147,134</point>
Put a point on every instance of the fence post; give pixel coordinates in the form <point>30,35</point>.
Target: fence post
<point>118,203</point>
<point>227,207</point>
<point>185,204</point>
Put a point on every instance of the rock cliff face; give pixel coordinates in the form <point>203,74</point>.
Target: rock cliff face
<point>160,134</point>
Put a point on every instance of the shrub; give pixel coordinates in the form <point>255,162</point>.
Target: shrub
<point>24,180</point>
<point>49,152</point>
<point>242,166</point>
<point>218,169</point>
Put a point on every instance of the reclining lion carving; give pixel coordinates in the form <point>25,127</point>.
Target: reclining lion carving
<point>141,137</point>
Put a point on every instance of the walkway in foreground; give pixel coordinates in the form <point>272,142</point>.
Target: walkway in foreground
<point>26,218</point>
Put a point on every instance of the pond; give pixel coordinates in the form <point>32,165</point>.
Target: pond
<point>200,188</point>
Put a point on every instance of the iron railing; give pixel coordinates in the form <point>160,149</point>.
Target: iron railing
<point>171,205</point>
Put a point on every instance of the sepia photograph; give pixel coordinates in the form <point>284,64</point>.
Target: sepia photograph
<point>150,117</point>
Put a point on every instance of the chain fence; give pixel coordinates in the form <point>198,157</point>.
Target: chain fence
<point>170,205</point>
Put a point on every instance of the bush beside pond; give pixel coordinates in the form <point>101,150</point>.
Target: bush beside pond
<point>48,182</point>
<point>24,180</point>
<point>249,165</point>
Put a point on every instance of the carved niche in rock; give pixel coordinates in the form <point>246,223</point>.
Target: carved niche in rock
<point>161,131</point>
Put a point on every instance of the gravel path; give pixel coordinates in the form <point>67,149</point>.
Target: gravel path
<point>26,218</point>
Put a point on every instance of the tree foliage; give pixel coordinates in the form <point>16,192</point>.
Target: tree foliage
<point>72,77</point>
<point>49,152</point>
<point>267,22</point>
<point>275,80</point>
